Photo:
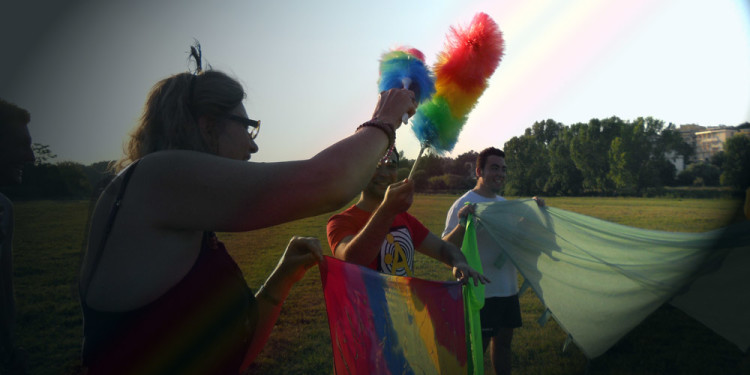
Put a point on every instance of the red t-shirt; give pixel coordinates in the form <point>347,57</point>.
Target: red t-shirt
<point>396,254</point>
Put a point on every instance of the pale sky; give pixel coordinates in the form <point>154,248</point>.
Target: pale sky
<point>310,68</point>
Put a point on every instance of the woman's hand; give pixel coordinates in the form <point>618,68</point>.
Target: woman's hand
<point>393,104</point>
<point>300,255</point>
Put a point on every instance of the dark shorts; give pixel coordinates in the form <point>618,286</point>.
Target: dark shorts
<point>499,312</point>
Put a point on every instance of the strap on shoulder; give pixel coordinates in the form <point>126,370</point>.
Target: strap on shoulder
<point>108,228</point>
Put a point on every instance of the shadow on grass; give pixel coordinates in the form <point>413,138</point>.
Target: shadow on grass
<point>670,342</point>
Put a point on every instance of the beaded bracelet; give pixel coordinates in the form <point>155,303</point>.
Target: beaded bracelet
<point>385,127</point>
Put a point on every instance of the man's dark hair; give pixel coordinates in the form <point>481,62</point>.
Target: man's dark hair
<point>482,158</point>
<point>12,114</point>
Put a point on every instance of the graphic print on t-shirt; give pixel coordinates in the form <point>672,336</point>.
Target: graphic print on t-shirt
<point>397,253</point>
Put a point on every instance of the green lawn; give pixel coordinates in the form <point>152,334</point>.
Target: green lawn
<point>48,246</point>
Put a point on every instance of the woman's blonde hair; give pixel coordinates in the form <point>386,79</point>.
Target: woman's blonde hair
<point>174,105</point>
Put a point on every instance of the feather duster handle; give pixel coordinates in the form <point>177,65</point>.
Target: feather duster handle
<point>404,67</point>
<point>470,57</point>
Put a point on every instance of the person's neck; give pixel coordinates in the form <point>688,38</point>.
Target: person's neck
<point>484,191</point>
<point>368,203</point>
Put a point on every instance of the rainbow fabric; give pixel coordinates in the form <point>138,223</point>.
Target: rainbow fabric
<point>384,324</point>
<point>470,57</point>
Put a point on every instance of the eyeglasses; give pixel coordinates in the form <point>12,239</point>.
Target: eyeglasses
<point>247,123</point>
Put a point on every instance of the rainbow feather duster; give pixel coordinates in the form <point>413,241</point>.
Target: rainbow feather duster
<point>470,57</point>
<point>404,67</point>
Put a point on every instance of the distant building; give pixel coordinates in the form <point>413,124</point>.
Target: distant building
<point>677,160</point>
<point>687,132</point>
<point>709,142</point>
<point>705,141</point>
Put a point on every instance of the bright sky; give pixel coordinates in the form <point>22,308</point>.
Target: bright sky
<point>310,68</point>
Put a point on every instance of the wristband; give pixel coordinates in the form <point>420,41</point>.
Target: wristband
<point>383,126</point>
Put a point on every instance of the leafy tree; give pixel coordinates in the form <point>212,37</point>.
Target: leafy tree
<point>718,159</point>
<point>528,165</point>
<point>455,182</point>
<point>564,177</point>
<point>670,140</point>
<point>546,131</point>
<point>462,165</point>
<point>620,167</point>
<point>45,180</point>
<point>589,149</point>
<point>431,164</point>
<point>436,183</point>
<point>403,173</point>
<point>420,180</point>
<point>99,174</point>
<point>648,154</point>
<point>42,154</point>
<point>665,172</point>
<point>737,164</point>
<point>638,155</point>
<point>702,174</point>
<point>74,180</point>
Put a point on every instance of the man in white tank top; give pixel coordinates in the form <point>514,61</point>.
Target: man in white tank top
<point>501,312</point>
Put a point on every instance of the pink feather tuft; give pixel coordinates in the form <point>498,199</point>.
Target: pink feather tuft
<point>471,55</point>
<point>410,50</point>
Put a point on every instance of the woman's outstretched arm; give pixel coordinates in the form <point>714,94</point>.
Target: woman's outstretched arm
<point>187,190</point>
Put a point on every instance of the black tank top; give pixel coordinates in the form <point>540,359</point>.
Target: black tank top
<point>202,325</point>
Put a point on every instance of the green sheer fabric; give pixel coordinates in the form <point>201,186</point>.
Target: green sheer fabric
<point>600,279</point>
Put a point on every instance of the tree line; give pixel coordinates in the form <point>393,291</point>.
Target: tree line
<point>602,157</point>
<point>46,179</point>
<point>615,157</point>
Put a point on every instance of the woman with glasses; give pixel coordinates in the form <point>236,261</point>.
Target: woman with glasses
<point>159,292</point>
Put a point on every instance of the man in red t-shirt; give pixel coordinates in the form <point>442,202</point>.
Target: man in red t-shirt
<point>377,232</point>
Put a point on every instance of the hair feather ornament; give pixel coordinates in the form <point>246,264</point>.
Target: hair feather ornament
<point>471,55</point>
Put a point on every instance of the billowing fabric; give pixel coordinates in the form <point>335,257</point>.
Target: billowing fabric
<point>384,324</point>
<point>600,279</point>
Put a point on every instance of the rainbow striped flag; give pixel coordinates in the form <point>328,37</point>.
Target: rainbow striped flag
<point>384,324</point>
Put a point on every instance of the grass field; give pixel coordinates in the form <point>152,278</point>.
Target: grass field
<point>47,253</point>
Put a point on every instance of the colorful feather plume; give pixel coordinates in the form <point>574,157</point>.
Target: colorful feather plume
<point>404,67</point>
<point>470,57</point>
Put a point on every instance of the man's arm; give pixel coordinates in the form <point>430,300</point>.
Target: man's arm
<point>363,247</point>
<point>449,254</point>
<point>456,235</point>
